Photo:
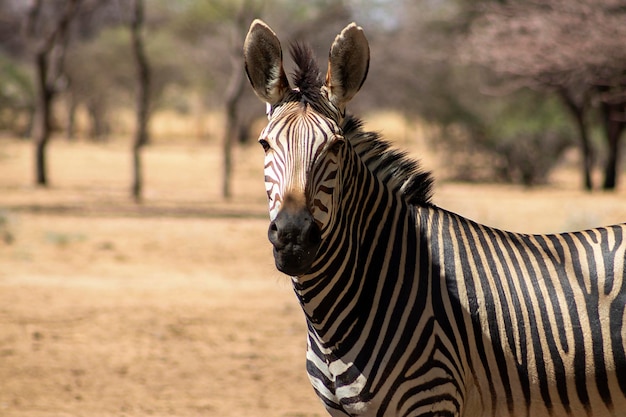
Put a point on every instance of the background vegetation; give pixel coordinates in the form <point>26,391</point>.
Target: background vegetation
<point>505,88</point>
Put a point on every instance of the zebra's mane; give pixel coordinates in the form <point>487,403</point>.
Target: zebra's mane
<point>307,76</point>
<point>395,168</point>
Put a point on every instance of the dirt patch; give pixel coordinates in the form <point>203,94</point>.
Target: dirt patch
<point>148,317</point>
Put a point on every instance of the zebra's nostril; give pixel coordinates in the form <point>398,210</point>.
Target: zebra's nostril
<point>272,233</point>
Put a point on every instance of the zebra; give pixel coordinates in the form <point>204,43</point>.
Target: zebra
<point>412,310</point>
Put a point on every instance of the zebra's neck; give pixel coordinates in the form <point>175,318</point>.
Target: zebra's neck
<point>374,225</point>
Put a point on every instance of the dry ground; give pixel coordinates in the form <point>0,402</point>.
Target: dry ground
<point>173,307</point>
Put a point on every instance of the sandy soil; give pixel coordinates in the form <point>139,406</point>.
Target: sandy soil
<point>173,307</point>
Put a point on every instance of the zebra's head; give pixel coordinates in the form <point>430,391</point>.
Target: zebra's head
<point>303,140</point>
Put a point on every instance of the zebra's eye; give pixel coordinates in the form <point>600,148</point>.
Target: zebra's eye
<point>336,145</point>
<point>264,144</point>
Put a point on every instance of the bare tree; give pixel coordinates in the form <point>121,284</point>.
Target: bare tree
<point>47,32</point>
<point>613,106</point>
<point>233,94</point>
<point>143,95</point>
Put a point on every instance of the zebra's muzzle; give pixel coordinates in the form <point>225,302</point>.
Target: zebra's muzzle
<point>296,238</point>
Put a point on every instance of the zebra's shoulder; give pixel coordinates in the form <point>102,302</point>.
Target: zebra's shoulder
<point>395,168</point>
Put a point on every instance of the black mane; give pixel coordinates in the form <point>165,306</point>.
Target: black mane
<point>395,168</point>
<point>307,76</point>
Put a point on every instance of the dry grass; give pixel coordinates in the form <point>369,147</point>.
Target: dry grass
<point>173,307</point>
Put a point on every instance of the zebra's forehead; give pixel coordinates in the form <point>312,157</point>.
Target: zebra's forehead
<point>298,122</point>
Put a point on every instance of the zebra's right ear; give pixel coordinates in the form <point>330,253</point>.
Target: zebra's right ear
<point>264,63</point>
<point>348,63</point>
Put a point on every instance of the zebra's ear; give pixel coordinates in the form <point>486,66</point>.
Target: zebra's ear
<point>348,63</point>
<point>264,63</point>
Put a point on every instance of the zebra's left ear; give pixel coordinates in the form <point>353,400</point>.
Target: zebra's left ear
<point>264,63</point>
<point>348,63</point>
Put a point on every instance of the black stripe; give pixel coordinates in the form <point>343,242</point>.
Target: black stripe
<point>477,247</point>
<point>580,370</point>
<point>557,361</point>
<point>593,299</point>
<point>451,284</point>
<point>521,362</point>
<point>535,340</point>
<point>617,307</point>
<point>409,288</point>
<point>446,328</point>
<point>472,299</point>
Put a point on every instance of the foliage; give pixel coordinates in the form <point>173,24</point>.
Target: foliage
<point>16,96</point>
<point>518,139</point>
<point>533,132</point>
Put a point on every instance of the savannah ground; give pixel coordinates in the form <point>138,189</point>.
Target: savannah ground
<point>173,307</point>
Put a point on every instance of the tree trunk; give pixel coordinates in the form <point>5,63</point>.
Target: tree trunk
<point>70,126</point>
<point>578,111</point>
<point>143,97</point>
<point>42,119</point>
<point>49,54</point>
<point>99,125</point>
<point>233,94</point>
<point>613,130</point>
<point>230,135</point>
<point>137,185</point>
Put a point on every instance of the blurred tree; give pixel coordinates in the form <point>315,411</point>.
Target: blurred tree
<point>210,33</point>
<point>574,48</point>
<point>47,29</point>
<point>96,90</point>
<point>87,84</point>
<point>242,18</point>
<point>143,72</point>
<point>104,94</point>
